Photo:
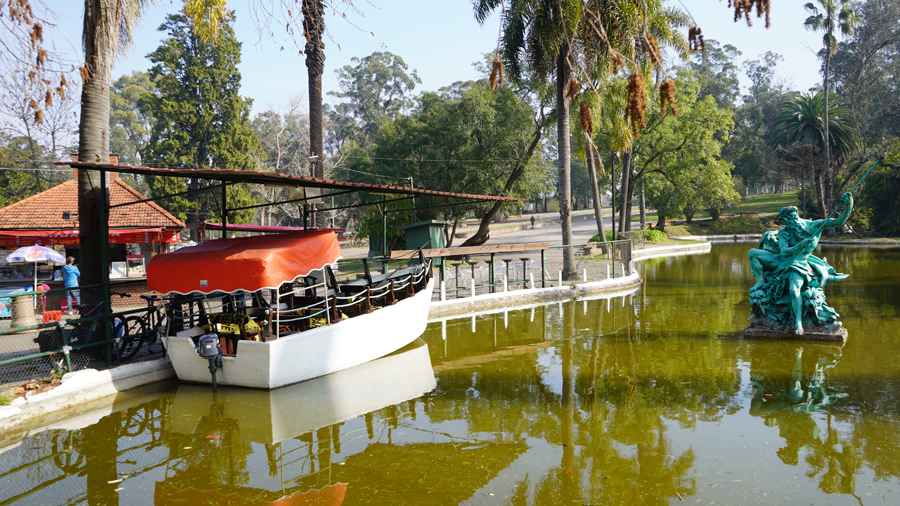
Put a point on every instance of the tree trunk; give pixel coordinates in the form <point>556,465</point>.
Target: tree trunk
<point>612,188</point>
<point>563,74</point>
<point>643,207</point>
<point>93,133</point>
<point>314,26</point>
<point>629,198</point>
<point>595,190</point>
<point>820,196</point>
<point>624,217</point>
<point>827,147</point>
<point>660,222</point>
<point>484,231</point>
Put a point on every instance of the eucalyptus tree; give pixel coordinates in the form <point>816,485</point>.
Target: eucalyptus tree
<point>129,127</point>
<point>864,69</point>
<point>376,86</point>
<point>826,17</point>
<point>803,120</point>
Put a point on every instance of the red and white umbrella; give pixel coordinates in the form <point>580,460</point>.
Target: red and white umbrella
<point>35,254</point>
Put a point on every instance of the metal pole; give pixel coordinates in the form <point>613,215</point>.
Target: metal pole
<point>543,269</point>
<point>224,209</point>
<point>383,227</point>
<point>104,258</point>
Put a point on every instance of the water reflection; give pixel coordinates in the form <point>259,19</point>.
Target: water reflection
<point>645,399</point>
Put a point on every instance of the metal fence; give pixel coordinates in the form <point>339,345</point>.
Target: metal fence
<point>479,274</point>
<point>635,236</point>
<point>62,330</point>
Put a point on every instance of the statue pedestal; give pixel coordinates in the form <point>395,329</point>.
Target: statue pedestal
<point>831,334</point>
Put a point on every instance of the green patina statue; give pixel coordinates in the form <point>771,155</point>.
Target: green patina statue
<point>788,292</point>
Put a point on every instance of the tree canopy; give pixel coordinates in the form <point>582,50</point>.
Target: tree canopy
<point>199,119</point>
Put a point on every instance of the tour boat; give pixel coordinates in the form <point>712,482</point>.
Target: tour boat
<point>274,306</point>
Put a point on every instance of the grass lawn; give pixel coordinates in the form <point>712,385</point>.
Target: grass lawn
<point>763,204</point>
<point>725,226</point>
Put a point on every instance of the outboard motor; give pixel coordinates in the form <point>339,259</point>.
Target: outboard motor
<point>211,350</point>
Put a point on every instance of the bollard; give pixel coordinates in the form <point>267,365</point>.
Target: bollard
<point>22,312</point>
<point>473,287</point>
<point>607,271</point>
<point>443,290</point>
<point>584,276</point>
<point>505,283</point>
<point>531,280</point>
<point>623,270</point>
<point>560,279</point>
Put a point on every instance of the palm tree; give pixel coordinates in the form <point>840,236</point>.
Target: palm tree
<point>538,36</point>
<point>803,120</point>
<point>833,14</point>
<point>313,28</point>
<point>547,38</point>
<point>108,26</point>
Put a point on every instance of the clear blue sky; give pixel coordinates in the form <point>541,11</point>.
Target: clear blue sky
<point>439,39</point>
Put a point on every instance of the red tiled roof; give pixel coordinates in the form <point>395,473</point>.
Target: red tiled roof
<point>44,211</point>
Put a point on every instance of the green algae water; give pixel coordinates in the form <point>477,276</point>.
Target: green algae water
<point>652,398</point>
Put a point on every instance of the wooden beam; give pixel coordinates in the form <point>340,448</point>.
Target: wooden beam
<point>472,250</point>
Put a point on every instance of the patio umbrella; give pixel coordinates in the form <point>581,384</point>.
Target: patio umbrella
<point>35,254</point>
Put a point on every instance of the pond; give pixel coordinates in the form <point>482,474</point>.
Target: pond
<point>652,398</point>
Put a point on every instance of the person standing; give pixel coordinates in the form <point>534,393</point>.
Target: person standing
<point>70,279</point>
<point>532,222</point>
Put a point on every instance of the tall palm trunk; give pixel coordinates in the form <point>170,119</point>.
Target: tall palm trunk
<point>563,74</point>
<point>93,131</point>
<point>828,182</point>
<point>592,163</point>
<point>314,26</point>
<point>624,216</point>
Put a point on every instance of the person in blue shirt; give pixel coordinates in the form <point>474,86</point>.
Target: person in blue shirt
<point>70,279</point>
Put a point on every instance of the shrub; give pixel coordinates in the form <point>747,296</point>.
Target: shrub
<point>653,235</point>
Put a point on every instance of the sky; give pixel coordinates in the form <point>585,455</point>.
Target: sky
<point>438,39</point>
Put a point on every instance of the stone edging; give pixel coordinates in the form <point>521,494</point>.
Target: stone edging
<point>84,386</point>
<point>479,303</point>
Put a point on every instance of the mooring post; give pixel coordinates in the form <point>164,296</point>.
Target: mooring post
<point>560,279</point>
<point>443,290</point>
<point>584,275</point>
<point>531,280</point>
<point>473,286</point>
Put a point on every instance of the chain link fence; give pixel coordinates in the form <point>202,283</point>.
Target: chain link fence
<point>49,333</point>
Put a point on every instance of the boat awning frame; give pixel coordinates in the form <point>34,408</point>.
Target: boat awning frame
<point>276,179</point>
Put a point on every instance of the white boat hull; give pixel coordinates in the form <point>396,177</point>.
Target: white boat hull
<point>285,413</point>
<point>312,353</point>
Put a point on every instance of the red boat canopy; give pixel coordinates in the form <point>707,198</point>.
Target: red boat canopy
<point>243,263</point>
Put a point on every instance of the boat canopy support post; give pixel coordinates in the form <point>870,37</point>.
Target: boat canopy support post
<point>384,227</point>
<point>103,205</point>
<point>224,209</point>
